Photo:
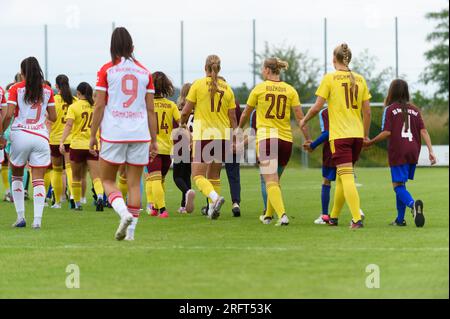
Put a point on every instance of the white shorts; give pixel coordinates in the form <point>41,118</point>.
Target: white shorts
<point>31,148</point>
<point>130,153</point>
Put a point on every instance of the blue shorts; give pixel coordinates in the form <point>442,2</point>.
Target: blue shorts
<point>329,173</point>
<point>402,173</point>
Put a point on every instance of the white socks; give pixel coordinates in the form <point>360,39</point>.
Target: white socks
<point>213,196</point>
<point>18,196</point>
<point>38,200</point>
<point>118,204</point>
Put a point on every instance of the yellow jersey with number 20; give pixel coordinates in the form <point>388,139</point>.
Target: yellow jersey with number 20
<point>211,121</point>
<point>166,112</point>
<point>273,102</point>
<point>344,107</point>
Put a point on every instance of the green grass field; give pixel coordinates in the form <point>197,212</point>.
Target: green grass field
<point>192,257</point>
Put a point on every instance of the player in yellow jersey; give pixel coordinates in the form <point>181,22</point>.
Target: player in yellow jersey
<point>63,99</point>
<point>213,103</point>
<point>273,100</point>
<point>167,115</point>
<point>347,95</point>
<point>78,122</point>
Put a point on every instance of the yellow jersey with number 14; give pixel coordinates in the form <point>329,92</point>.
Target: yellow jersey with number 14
<point>344,107</point>
<point>211,121</point>
<point>81,114</point>
<point>166,113</point>
<point>273,101</point>
<point>57,128</point>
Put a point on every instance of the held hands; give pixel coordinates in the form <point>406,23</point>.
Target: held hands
<point>307,146</point>
<point>367,142</point>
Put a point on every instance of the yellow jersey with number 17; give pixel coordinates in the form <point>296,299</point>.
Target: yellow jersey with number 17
<point>57,128</point>
<point>211,121</point>
<point>81,114</point>
<point>273,101</point>
<point>166,113</point>
<point>344,107</point>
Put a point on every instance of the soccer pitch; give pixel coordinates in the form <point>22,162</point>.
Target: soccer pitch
<point>189,256</point>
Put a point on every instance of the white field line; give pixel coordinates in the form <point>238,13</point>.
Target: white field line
<point>213,248</point>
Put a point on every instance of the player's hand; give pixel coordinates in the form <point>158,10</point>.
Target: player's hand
<point>153,149</point>
<point>62,149</point>
<point>307,146</point>
<point>432,158</point>
<point>302,124</point>
<point>93,146</point>
<point>367,142</point>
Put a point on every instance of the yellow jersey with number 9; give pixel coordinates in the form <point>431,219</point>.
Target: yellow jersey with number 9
<point>81,113</point>
<point>273,101</point>
<point>166,114</point>
<point>344,106</point>
<point>57,128</point>
<point>211,121</point>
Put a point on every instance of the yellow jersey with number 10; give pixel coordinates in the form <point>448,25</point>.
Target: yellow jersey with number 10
<point>344,107</point>
<point>81,114</point>
<point>273,101</point>
<point>57,129</point>
<point>211,121</point>
<point>166,113</point>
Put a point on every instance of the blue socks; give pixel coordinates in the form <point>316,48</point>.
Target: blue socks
<point>404,199</point>
<point>325,198</point>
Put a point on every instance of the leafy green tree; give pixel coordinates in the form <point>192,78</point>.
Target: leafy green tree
<point>437,69</point>
<point>377,81</point>
<point>303,72</point>
<point>241,93</point>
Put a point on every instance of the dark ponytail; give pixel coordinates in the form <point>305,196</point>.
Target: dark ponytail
<point>399,93</point>
<point>34,79</point>
<point>63,84</point>
<point>163,85</point>
<point>86,90</point>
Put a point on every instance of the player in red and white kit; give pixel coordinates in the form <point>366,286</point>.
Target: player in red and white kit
<point>31,103</point>
<point>2,106</point>
<point>404,127</point>
<point>124,112</point>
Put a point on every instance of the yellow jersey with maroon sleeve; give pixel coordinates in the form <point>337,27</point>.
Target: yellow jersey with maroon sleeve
<point>273,101</point>
<point>166,113</point>
<point>211,115</point>
<point>344,103</point>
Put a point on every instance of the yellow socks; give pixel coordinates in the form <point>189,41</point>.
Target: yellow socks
<point>47,179</point>
<point>98,187</point>
<point>69,178</point>
<point>350,192</point>
<point>339,199</point>
<point>5,178</point>
<point>57,183</point>
<point>148,191</point>
<point>158,195</point>
<point>123,187</point>
<point>76,192</point>
<point>206,187</point>
<point>274,198</point>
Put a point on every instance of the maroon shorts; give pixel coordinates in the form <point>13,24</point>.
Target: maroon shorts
<point>273,148</point>
<point>346,150</point>
<point>217,151</point>
<point>81,156</point>
<point>161,163</point>
<point>54,150</point>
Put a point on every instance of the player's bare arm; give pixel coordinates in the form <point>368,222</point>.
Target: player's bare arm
<point>99,109</point>
<point>66,133</point>
<point>313,111</point>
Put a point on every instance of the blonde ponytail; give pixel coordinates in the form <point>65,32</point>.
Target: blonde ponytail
<point>212,67</point>
<point>276,65</point>
<point>343,55</point>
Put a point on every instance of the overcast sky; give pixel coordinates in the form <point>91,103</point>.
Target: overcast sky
<point>79,33</point>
